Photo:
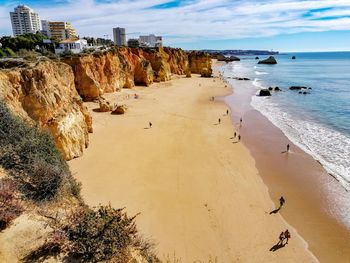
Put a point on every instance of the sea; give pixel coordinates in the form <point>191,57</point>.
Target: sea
<point>317,122</point>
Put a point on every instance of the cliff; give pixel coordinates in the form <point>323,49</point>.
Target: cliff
<point>200,63</point>
<point>109,71</point>
<point>45,94</point>
<point>51,93</point>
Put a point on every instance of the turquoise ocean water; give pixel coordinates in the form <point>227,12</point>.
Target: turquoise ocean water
<point>319,122</point>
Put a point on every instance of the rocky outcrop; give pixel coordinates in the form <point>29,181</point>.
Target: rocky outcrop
<point>200,63</point>
<point>119,110</point>
<point>264,93</point>
<point>45,94</point>
<point>297,87</point>
<point>270,60</point>
<point>110,71</point>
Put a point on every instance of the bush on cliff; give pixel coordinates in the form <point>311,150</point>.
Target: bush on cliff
<point>10,207</point>
<point>95,235</point>
<point>31,158</point>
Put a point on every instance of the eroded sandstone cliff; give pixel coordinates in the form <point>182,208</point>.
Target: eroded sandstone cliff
<point>45,93</point>
<point>109,71</point>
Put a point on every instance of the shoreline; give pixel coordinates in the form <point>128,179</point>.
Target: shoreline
<point>304,182</point>
<point>185,176</point>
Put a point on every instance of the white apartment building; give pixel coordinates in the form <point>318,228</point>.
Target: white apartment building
<point>119,36</point>
<point>151,41</point>
<point>24,20</point>
<point>73,45</point>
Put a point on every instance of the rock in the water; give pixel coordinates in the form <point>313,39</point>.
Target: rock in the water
<point>234,58</point>
<point>256,57</point>
<point>105,105</point>
<point>264,92</point>
<point>242,78</point>
<point>293,57</point>
<point>297,87</point>
<point>270,88</point>
<point>119,110</point>
<point>270,60</point>
<point>277,89</point>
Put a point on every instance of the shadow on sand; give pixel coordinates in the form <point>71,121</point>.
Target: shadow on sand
<point>277,247</point>
<point>275,211</point>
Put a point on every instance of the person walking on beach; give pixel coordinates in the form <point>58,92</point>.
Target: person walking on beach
<point>281,238</point>
<point>150,125</point>
<point>234,135</point>
<point>287,235</point>
<point>239,138</point>
<point>282,201</point>
<point>288,147</point>
<point>227,112</point>
<point>219,120</point>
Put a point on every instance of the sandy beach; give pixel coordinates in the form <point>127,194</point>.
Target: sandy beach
<point>198,192</point>
<point>317,203</point>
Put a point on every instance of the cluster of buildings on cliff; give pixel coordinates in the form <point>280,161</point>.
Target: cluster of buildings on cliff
<point>25,20</point>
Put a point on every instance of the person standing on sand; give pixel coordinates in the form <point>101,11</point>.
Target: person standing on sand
<point>287,235</point>
<point>239,138</point>
<point>288,147</point>
<point>281,238</point>
<point>150,125</point>
<point>282,201</point>
<point>219,120</point>
<point>227,112</point>
<point>234,135</point>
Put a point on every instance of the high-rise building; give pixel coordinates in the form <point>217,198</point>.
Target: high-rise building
<point>24,20</point>
<point>119,36</point>
<point>58,30</point>
<point>151,41</point>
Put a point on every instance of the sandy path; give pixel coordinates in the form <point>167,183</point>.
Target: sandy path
<point>198,193</point>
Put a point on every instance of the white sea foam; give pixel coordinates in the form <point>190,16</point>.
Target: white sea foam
<point>261,73</point>
<point>328,146</point>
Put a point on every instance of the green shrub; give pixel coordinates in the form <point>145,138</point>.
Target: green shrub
<point>2,53</point>
<point>9,52</point>
<point>31,158</point>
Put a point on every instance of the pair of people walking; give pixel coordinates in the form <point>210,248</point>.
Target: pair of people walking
<point>284,236</point>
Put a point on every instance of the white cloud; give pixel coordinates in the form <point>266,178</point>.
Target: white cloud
<point>199,19</point>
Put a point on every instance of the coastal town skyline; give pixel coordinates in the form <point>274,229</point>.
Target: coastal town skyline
<point>272,25</point>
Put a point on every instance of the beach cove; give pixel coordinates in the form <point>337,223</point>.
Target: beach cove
<point>199,195</point>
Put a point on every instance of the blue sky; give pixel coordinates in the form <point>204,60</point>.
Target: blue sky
<point>284,25</point>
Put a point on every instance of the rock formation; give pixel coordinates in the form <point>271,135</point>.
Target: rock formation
<point>45,94</point>
<point>297,87</point>
<point>264,92</point>
<point>200,63</point>
<point>270,60</point>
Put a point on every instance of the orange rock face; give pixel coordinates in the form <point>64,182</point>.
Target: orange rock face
<point>46,94</point>
<point>112,70</point>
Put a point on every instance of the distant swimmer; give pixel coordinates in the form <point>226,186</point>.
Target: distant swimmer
<point>240,121</point>
<point>288,147</point>
<point>282,201</point>
<point>150,124</point>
